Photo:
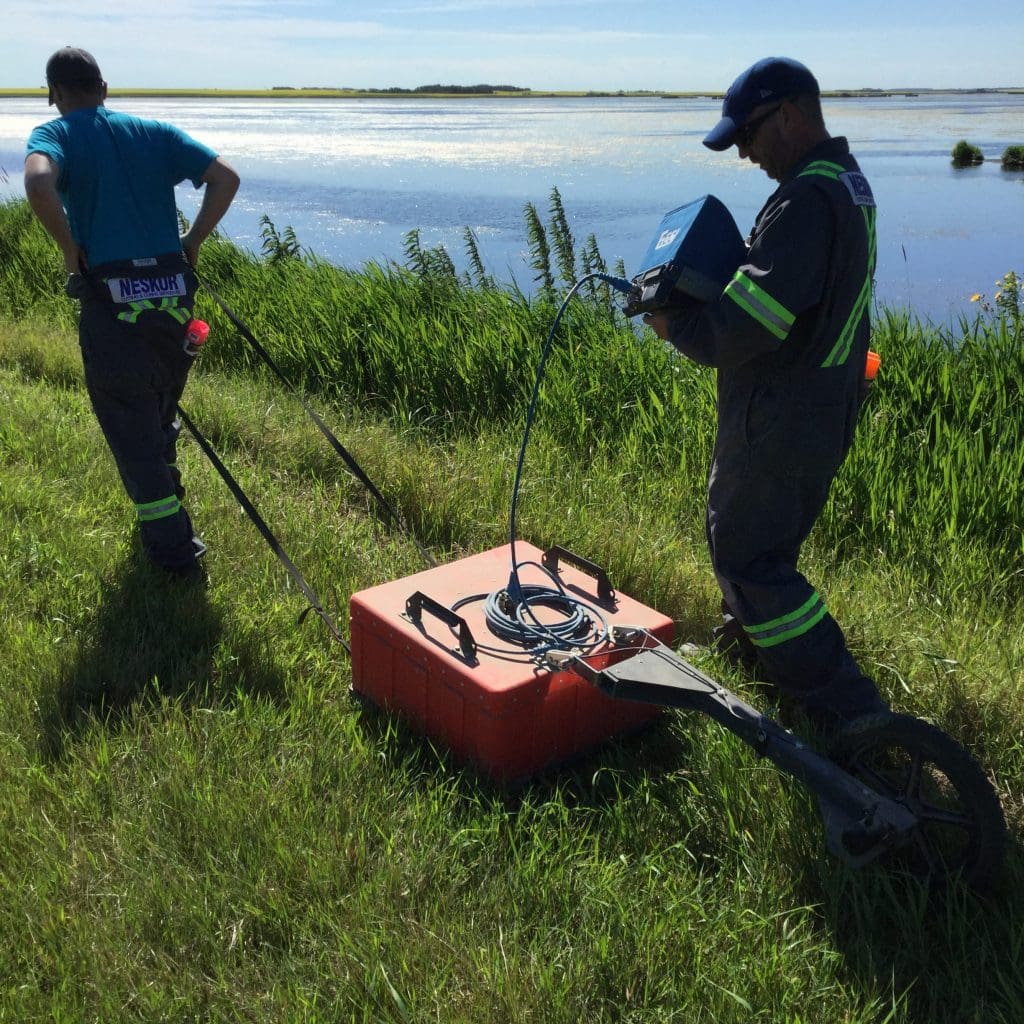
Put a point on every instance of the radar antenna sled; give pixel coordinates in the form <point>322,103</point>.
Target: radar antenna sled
<point>894,785</point>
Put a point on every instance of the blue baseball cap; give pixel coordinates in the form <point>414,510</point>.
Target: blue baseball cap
<point>770,79</point>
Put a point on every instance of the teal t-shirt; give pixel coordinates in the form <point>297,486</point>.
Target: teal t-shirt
<point>117,178</point>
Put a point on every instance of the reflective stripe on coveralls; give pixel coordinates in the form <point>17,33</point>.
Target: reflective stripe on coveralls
<point>787,627</point>
<point>778,320</point>
<point>162,509</point>
<point>756,302</point>
<point>841,349</point>
<point>169,305</point>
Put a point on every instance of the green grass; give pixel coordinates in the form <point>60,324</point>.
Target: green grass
<point>201,825</point>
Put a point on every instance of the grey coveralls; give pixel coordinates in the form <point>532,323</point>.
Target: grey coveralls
<point>789,337</point>
<point>135,372</point>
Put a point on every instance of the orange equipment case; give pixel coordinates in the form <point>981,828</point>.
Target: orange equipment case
<point>508,716</point>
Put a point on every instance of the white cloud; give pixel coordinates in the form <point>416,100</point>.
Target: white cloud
<point>544,44</point>
<point>506,7</point>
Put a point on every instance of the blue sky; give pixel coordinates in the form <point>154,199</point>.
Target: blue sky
<point>542,44</point>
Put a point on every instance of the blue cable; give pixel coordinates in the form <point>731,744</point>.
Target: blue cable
<point>509,612</point>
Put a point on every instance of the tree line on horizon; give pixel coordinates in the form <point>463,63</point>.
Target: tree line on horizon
<point>481,89</point>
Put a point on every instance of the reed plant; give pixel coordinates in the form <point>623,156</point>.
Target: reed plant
<point>939,460</point>
<point>1013,158</point>
<point>964,154</point>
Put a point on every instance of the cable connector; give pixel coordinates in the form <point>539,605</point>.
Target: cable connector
<point>512,595</point>
<point>620,284</point>
<point>558,660</point>
<point>627,636</point>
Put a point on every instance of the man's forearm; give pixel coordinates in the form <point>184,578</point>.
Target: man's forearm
<point>47,207</point>
<point>42,195</point>
<point>220,188</point>
<point>217,198</point>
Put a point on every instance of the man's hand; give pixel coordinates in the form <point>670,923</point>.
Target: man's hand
<point>75,261</point>
<point>658,322</point>
<point>191,250</point>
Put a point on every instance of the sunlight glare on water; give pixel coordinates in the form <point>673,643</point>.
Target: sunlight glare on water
<point>352,177</point>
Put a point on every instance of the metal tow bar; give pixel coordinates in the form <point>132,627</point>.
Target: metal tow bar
<point>860,823</point>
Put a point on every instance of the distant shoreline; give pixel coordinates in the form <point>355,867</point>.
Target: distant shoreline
<point>349,94</point>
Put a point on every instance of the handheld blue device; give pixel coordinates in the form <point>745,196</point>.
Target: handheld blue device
<point>693,255</point>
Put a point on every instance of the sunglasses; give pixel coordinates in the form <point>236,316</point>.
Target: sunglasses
<point>745,135</point>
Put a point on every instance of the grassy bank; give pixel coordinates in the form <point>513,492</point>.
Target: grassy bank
<point>201,826</point>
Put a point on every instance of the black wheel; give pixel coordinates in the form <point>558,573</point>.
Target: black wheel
<point>961,831</point>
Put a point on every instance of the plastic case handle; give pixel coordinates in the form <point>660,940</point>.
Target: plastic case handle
<point>420,602</point>
<point>550,560</point>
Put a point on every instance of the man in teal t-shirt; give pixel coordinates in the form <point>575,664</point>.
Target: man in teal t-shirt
<point>102,184</point>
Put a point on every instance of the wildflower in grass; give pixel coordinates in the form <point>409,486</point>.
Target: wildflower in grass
<point>1007,301</point>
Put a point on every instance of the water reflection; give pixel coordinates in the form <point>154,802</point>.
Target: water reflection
<point>353,176</point>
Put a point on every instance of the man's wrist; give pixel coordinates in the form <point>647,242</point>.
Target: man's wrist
<point>73,259</point>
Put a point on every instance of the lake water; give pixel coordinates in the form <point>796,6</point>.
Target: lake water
<point>353,176</point>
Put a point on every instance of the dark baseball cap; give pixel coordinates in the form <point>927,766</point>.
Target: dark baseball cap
<point>72,67</point>
<point>771,79</point>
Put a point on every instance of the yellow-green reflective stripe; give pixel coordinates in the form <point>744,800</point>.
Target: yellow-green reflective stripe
<point>870,219</point>
<point>825,168</point>
<point>864,301</point>
<point>158,509</point>
<point>788,617</point>
<point>791,634</point>
<point>793,623</point>
<point>171,305</point>
<point>772,315</point>
<point>841,350</point>
<point>137,308</point>
<point>167,305</point>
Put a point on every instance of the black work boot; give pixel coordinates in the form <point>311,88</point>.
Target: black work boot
<point>191,572</point>
<point>731,640</point>
<point>833,707</point>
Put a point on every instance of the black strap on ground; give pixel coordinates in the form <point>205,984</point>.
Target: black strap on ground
<point>357,470</point>
<point>272,541</point>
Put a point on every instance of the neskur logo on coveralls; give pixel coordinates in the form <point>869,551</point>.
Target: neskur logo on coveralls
<point>132,289</point>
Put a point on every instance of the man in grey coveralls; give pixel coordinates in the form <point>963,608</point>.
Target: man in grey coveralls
<point>789,338</point>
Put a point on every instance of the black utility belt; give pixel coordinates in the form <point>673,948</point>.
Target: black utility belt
<point>148,278</point>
